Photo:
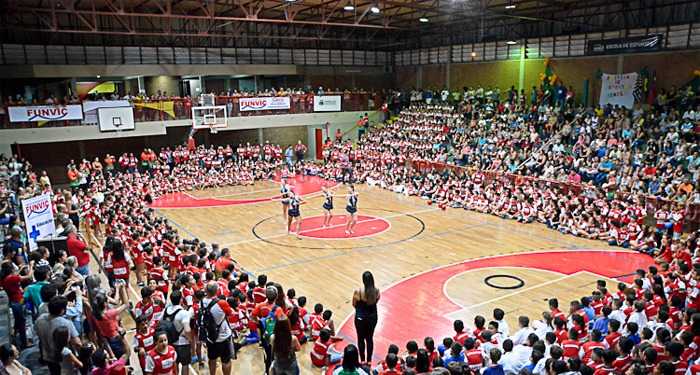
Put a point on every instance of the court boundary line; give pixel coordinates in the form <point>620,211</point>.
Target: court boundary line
<point>483,221</point>
<point>514,293</point>
<point>348,238</point>
<point>394,284</point>
<point>261,200</point>
<point>316,229</point>
<point>444,286</point>
<point>367,248</point>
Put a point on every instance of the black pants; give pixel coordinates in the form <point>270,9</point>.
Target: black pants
<point>365,333</point>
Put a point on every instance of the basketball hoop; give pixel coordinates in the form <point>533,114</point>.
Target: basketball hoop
<point>211,118</point>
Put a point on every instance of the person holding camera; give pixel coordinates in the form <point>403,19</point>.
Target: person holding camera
<point>108,319</point>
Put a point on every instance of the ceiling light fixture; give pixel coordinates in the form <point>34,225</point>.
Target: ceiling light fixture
<point>348,6</point>
<point>374,9</point>
<point>423,19</point>
<point>511,42</point>
<point>511,6</point>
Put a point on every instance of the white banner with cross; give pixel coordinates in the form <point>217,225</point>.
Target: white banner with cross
<point>38,218</point>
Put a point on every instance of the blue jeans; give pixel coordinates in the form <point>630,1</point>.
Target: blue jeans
<point>84,270</point>
<point>117,347</point>
<point>20,322</point>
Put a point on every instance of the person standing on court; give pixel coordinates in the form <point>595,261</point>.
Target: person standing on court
<point>288,154</point>
<point>365,302</point>
<point>300,150</point>
<point>221,346</point>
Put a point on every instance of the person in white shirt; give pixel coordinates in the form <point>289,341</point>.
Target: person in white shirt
<point>524,352</point>
<point>520,337</point>
<point>617,313</point>
<point>498,316</point>
<point>544,325</point>
<point>638,316</point>
<point>181,321</point>
<point>510,360</point>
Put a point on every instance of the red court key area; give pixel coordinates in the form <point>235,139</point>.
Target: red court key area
<point>312,227</point>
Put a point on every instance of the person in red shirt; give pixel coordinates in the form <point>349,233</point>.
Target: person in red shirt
<point>609,357</point>
<point>460,334</point>
<point>614,336</point>
<point>571,345</point>
<point>588,347</point>
<point>554,308</point>
<point>625,346</point>
<point>391,367</point>
<point>10,281</point>
<point>143,341</point>
<point>161,360</point>
<point>77,247</point>
<point>260,312</point>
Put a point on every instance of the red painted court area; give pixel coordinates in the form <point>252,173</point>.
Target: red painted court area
<point>415,308</point>
<point>302,185</point>
<point>312,227</point>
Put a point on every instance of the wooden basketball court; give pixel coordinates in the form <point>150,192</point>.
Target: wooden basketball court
<point>429,264</point>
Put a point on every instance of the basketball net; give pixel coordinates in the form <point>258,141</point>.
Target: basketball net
<point>213,129</point>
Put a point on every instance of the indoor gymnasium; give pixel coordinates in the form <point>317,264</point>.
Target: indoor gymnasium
<point>349,187</point>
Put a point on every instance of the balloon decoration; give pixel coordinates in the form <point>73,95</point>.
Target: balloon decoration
<point>548,78</point>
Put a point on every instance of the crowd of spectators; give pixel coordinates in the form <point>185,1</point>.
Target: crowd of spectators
<point>581,171</point>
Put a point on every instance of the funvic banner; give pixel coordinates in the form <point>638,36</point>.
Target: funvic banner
<point>619,46</point>
<point>618,89</point>
<point>45,113</point>
<point>38,218</point>
<point>264,104</point>
<point>327,103</point>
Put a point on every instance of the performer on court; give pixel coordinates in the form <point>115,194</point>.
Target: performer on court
<point>285,202</point>
<point>293,214</point>
<point>327,206</point>
<point>351,208</point>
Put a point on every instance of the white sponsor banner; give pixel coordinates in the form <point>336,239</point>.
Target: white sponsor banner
<point>38,218</point>
<point>116,118</point>
<point>618,90</point>
<point>327,103</point>
<point>45,113</point>
<point>263,104</point>
<point>90,108</point>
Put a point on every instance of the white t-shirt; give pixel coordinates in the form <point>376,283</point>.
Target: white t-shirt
<point>179,320</point>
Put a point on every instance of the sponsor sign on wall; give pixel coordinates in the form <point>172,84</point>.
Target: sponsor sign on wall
<point>45,113</point>
<point>620,46</point>
<point>264,104</point>
<point>327,103</point>
<point>38,218</point>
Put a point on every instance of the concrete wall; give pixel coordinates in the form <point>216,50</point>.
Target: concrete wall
<point>672,68</point>
<point>348,77</point>
<point>162,83</point>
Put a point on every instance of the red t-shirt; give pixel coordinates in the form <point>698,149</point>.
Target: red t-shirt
<point>77,248</point>
<point>11,285</point>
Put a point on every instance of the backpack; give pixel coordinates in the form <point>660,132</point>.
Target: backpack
<point>166,324</point>
<point>268,324</point>
<point>207,328</point>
